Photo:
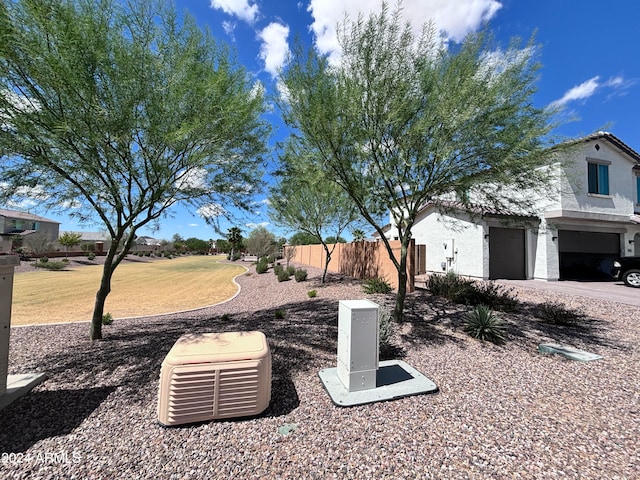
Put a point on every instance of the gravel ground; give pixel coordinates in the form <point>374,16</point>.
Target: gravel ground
<point>501,412</point>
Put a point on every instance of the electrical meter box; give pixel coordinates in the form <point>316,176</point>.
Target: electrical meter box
<point>357,344</point>
<point>215,375</point>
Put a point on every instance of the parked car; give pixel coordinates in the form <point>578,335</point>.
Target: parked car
<point>627,269</point>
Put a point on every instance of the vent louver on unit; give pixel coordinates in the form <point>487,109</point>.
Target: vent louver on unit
<point>215,375</point>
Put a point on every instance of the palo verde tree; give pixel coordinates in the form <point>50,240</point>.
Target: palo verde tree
<point>403,119</point>
<point>117,111</point>
<point>305,200</point>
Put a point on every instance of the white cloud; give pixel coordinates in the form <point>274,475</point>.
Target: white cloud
<point>255,225</point>
<point>211,210</point>
<point>17,104</point>
<point>192,224</point>
<point>229,28</point>
<point>589,88</point>
<point>242,9</point>
<point>454,19</point>
<point>194,178</point>
<point>274,49</point>
<point>495,63</point>
<point>579,92</point>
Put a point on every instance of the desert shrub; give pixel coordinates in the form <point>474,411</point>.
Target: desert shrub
<point>557,313</point>
<point>277,268</point>
<point>262,266</point>
<point>107,319</point>
<point>283,275</point>
<point>376,285</point>
<point>54,266</point>
<point>470,292</point>
<point>225,317</point>
<point>300,275</point>
<point>496,297</point>
<point>65,260</point>
<point>271,259</point>
<point>482,323</point>
<point>139,254</point>
<point>451,286</point>
<point>312,293</point>
<point>291,270</point>
<point>44,259</point>
<point>280,314</point>
<point>91,256</point>
<point>385,334</point>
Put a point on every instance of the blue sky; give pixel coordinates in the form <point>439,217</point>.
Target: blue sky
<point>588,52</point>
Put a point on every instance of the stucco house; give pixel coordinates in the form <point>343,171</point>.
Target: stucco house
<point>575,233</point>
<point>97,242</point>
<point>13,222</point>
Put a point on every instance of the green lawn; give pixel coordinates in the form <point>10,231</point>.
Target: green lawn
<point>138,288</point>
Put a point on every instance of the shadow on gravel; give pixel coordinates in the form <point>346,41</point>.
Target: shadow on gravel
<point>131,354</point>
<point>588,332</point>
<point>434,319</point>
<point>44,414</point>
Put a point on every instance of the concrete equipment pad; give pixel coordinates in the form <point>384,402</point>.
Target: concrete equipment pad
<point>394,379</point>
<point>20,385</point>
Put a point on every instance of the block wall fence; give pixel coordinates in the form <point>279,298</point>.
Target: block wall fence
<point>360,260</point>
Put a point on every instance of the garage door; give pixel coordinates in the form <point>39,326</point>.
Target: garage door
<point>507,253</point>
<point>587,255</point>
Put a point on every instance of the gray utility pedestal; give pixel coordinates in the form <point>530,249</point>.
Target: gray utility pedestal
<point>359,377</point>
<point>11,386</point>
<point>357,344</point>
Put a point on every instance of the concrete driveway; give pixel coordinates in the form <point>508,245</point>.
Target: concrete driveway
<point>613,291</point>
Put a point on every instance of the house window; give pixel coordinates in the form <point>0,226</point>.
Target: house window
<point>638,189</point>
<point>598,178</point>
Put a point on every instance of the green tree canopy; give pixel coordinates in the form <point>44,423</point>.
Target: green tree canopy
<point>404,119</point>
<point>331,239</point>
<point>303,238</point>
<point>69,239</point>
<point>261,242</point>
<point>235,239</point>
<point>117,111</point>
<point>306,200</point>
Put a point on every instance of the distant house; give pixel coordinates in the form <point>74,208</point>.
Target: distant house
<point>15,223</point>
<point>146,244</point>
<point>575,233</point>
<point>97,242</point>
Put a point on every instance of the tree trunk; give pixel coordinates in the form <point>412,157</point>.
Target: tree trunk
<point>101,297</point>
<point>398,310</point>
<point>326,261</point>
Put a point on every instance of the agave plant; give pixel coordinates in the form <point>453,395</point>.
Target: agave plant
<point>482,323</point>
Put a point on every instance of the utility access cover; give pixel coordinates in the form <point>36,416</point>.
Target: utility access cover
<point>568,352</point>
<point>394,379</point>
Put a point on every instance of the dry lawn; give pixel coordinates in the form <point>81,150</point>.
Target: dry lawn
<point>138,289</point>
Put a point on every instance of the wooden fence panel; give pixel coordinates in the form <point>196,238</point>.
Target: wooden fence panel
<point>359,260</point>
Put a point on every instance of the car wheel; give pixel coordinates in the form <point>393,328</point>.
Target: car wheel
<point>631,278</point>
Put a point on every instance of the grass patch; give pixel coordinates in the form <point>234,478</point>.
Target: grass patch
<point>138,289</point>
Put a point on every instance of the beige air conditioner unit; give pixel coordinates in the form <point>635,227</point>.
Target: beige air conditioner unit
<point>215,375</point>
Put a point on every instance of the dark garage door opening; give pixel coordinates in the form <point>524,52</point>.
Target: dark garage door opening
<point>507,254</point>
<point>587,255</point>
